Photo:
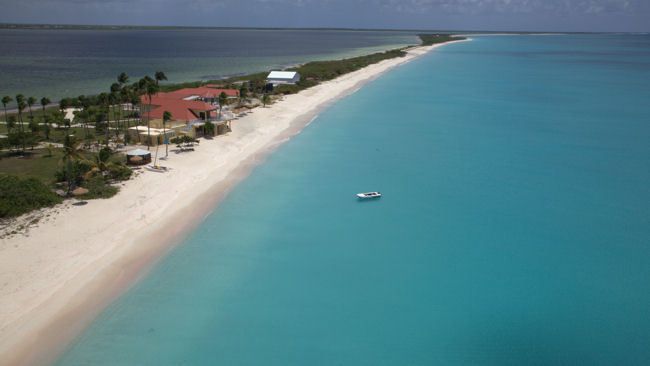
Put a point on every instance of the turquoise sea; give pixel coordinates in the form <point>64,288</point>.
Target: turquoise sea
<point>514,227</point>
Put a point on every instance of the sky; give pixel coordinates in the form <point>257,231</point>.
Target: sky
<point>495,15</point>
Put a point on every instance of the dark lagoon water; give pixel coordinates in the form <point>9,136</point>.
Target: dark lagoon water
<point>58,63</point>
<point>514,227</point>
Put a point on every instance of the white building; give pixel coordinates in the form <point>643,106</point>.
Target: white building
<point>283,77</point>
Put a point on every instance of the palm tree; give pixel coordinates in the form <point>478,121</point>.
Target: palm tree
<point>135,100</point>
<point>63,105</point>
<point>70,152</point>
<point>243,93</point>
<point>223,98</point>
<point>6,100</point>
<point>82,116</point>
<point>11,123</point>
<point>124,98</point>
<point>160,76</point>
<point>20,101</point>
<point>44,102</point>
<point>122,79</point>
<point>150,88</point>
<point>166,118</point>
<point>113,100</point>
<point>30,102</point>
<point>84,103</point>
<point>104,101</point>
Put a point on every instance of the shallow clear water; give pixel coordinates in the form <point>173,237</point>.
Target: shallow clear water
<point>514,227</point>
<point>64,63</point>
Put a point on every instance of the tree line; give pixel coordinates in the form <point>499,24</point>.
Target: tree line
<point>102,113</point>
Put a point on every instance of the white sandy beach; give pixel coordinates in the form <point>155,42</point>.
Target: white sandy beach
<point>55,279</point>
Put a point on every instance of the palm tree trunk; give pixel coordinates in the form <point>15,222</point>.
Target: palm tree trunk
<point>137,123</point>
<point>85,127</point>
<point>47,137</point>
<point>117,120</point>
<point>108,122</point>
<point>22,130</point>
<point>164,139</point>
<point>149,124</point>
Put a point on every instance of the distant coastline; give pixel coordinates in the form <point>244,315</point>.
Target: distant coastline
<point>37,26</point>
<point>86,60</point>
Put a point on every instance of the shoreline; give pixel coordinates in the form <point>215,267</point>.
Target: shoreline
<point>64,273</point>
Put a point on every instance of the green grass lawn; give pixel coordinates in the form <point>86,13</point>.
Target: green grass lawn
<point>36,163</point>
<point>113,114</point>
<point>37,112</point>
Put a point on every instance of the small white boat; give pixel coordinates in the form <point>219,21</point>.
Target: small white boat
<point>156,168</point>
<point>369,195</point>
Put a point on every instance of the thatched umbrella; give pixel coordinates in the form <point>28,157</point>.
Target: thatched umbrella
<point>80,191</point>
<point>143,156</point>
<point>135,159</point>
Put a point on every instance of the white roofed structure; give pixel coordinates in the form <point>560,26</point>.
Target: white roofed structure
<point>283,77</point>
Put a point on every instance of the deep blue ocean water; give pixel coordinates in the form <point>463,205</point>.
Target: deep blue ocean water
<point>64,63</point>
<point>514,227</point>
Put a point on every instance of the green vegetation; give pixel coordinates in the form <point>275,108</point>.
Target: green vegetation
<point>100,119</point>
<point>209,128</point>
<point>41,164</point>
<point>431,39</point>
<point>266,99</point>
<point>98,189</point>
<point>184,139</point>
<point>21,195</point>
<point>94,172</point>
<point>319,71</point>
<point>313,73</point>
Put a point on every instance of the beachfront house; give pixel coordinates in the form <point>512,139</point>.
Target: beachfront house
<point>190,109</point>
<point>282,77</point>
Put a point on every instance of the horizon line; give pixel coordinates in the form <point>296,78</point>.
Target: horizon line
<point>63,26</point>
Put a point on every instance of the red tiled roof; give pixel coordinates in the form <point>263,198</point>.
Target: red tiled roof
<point>181,110</point>
<point>203,92</point>
<point>219,89</point>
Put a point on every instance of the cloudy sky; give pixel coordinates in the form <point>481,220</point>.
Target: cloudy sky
<point>551,15</point>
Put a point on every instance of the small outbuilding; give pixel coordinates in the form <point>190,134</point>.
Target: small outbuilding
<point>283,77</point>
<point>138,157</point>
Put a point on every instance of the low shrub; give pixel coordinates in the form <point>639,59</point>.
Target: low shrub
<point>22,195</point>
<point>287,89</point>
<point>184,139</point>
<point>98,188</point>
<point>77,171</point>
<point>119,172</point>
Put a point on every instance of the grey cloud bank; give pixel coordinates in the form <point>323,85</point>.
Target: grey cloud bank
<point>540,15</point>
